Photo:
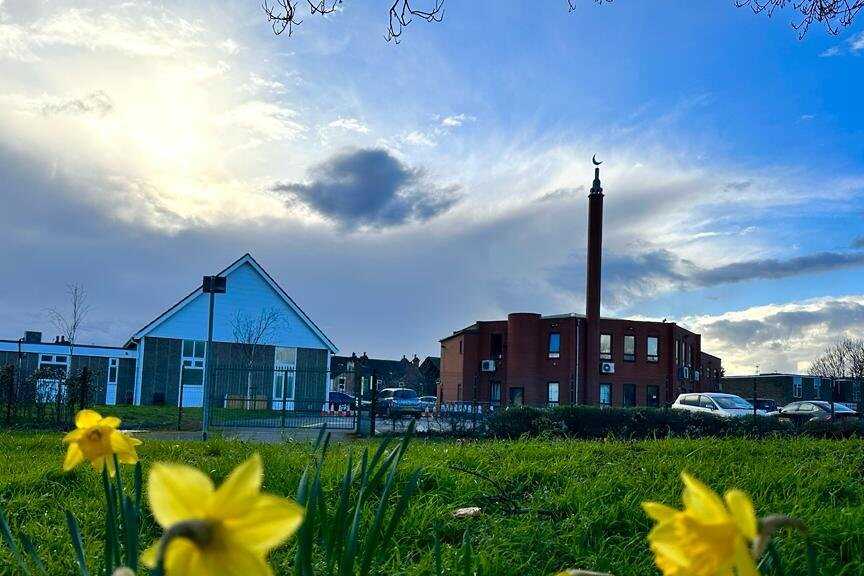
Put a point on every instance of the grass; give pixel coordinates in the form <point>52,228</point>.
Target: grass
<point>579,500</point>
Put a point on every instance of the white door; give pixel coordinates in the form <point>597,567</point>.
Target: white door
<point>284,378</point>
<point>192,374</point>
<point>111,385</point>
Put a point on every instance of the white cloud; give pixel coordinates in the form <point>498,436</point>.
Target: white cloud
<point>349,124</point>
<point>262,121</point>
<point>417,138</point>
<point>97,103</point>
<point>779,337</point>
<point>258,83</point>
<point>829,52</point>
<point>856,42</point>
<point>457,120</point>
<point>230,46</point>
<point>137,30</point>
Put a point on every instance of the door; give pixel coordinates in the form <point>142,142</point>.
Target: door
<point>192,374</point>
<point>111,385</point>
<point>517,396</point>
<point>652,396</point>
<point>606,394</point>
<point>284,378</point>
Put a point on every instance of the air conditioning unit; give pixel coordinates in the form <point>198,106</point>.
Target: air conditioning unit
<point>607,367</point>
<point>487,366</point>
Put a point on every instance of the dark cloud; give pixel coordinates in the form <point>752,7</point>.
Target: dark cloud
<point>835,316</point>
<point>644,274</point>
<point>370,188</point>
<point>97,102</point>
<point>858,242</point>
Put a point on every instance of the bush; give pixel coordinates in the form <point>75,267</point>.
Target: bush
<point>594,422</point>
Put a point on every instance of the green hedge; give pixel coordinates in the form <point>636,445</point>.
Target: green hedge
<point>594,422</point>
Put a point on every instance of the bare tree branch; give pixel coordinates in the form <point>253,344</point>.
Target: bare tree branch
<point>833,14</point>
<point>69,325</point>
<point>253,331</point>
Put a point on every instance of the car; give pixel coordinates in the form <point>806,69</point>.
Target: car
<point>428,402</point>
<point>398,402</point>
<point>720,404</point>
<point>339,400</point>
<point>815,411</point>
<point>770,407</point>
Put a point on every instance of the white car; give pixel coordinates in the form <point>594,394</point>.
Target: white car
<point>717,403</point>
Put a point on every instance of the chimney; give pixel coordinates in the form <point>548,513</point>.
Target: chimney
<point>592,290</point>
<point>415,361</point>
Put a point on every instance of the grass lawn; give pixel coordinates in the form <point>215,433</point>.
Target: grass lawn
<point>583,497</point>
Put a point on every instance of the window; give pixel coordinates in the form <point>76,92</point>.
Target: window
<point>677,357</point>
<point>690,400</point>
<point>460,346</point>
<point>495,392</point>
<point>517,396</point>
<point>817,387</point>
<point>342,382</point>
<point>629,395</point>
<point>652,396</point>
<point>112,370</point>
<point>797,388</point>
<point>606,394</point>
<point>497,346</point>
<point>552,393</point>
<point>856,392</point>
<point>652,353</point>
<point>629,348</point>
<point>689,352</point>
<point>606,347</point>
<point>706,402</point>
<point>554,345</point>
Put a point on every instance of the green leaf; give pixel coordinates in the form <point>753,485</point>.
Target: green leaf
<point>436,552</point>
<point>467,554</point>
<point>77,544</point>
<point>34,556</point>
<point>10,543</point>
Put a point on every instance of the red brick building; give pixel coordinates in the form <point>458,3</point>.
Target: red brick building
<point>541,360</point>
<point>576,359</point>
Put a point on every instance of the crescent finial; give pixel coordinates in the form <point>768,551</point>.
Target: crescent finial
<point>594,160</point>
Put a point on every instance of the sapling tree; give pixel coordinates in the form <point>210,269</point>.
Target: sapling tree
<point>253,332</point>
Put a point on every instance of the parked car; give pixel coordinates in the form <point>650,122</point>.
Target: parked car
<point>815,411</point>
<point>338,399</point>
<point>398,402</point>
<point>725,405</point>
<point>770,407</point>
<point>428,402</point>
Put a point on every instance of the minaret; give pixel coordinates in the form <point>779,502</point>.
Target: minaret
<point>592,290</point>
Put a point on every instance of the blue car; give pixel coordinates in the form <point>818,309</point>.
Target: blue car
<point>396,402</point>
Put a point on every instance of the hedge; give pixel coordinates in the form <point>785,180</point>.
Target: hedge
<point>594,422</point>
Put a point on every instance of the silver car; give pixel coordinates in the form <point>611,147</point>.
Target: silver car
<point>717,403</point>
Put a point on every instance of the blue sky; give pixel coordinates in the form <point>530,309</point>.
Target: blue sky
<point>402,192</point>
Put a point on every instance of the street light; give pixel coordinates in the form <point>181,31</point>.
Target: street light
<point>211,285</point>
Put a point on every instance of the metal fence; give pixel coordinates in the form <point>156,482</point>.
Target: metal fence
<point>272,398</point>
<point>47,397</point>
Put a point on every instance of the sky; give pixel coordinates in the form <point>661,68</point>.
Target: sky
<point>401,192</point>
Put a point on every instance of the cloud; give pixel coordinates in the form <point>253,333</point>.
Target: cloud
<point>457,120</point>
<point>779,337</point>
<point>350,125</point>
<point>97,103</point>
<point>134,29</point>
<point>628,277</point>
<point>856,42</point>
<point>830,52</point>
<point>230,46</point>
<point>417,138</point>
<point>370,188</point>
<point>262,121</point>
<point>858,242</point>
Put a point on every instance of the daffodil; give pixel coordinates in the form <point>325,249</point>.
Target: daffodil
<point>709,537</point>
<point>97,439</point>
<point>217,532</point>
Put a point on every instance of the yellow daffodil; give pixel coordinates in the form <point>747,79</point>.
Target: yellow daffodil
<point>710,537</point>
<point>217,532</point>
<point>97,439</point>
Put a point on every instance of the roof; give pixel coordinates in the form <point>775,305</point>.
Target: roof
<point>245,259</point>
<point>385,369</point>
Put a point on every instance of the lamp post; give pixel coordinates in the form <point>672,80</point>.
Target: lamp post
<point>211,285</point>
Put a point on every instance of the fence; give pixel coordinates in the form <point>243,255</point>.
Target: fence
<point>272,398</point>
<point>47,397</point>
